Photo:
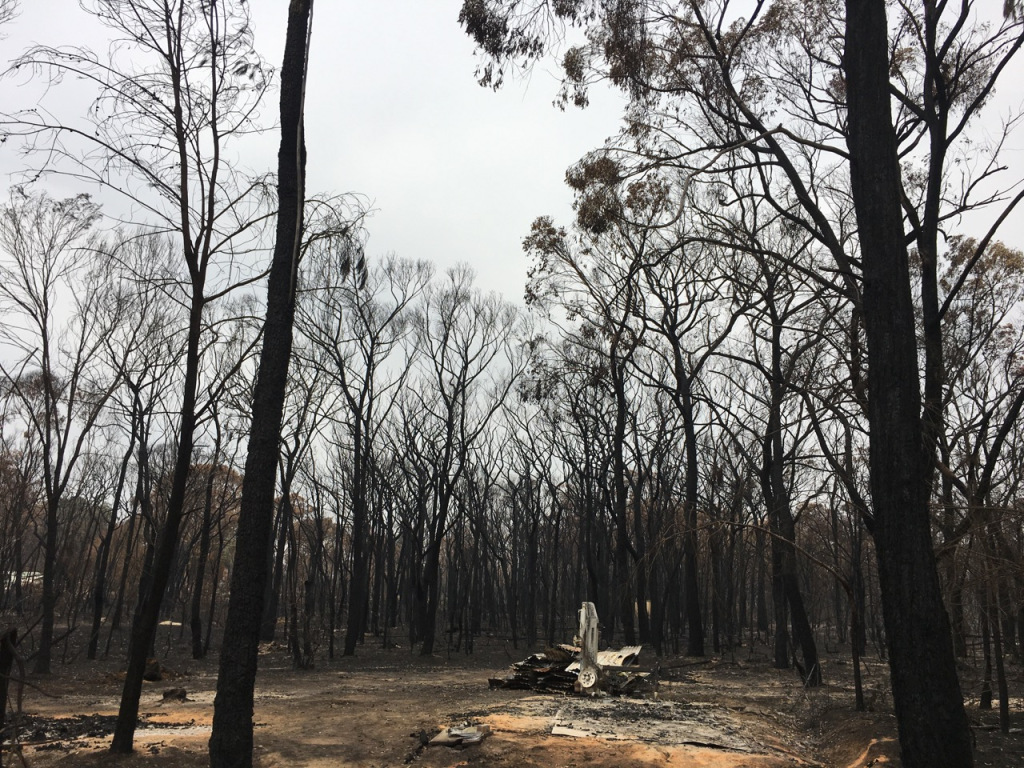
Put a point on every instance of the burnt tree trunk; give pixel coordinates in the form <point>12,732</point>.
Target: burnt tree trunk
<point>147,614</point>
<point>8,641</point>
<point>196,615</point>
<point>231,742</point>
<point>623,598</point>
<point>272,598</point>
<point>933,726</point>
<point>691,588</point>
<point>212,611</point>
<point>49,599</point>
<point>359,586</point>
<point>99,595</point>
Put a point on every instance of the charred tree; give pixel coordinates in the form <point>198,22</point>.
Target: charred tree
<point>231,742</point>
<point>933,726</point>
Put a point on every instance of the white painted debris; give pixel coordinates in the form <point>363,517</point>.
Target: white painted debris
<point>460,736</point>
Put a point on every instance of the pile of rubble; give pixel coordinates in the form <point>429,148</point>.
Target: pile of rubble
<point>558,669</point>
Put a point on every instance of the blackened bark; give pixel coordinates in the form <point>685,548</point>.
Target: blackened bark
<point>642,566</point>
<point>99,594</point>
<point>760,598</point>
<point>431,586</point>
<point>555,547</point>
<point>691,588</point>
<point>49,598</point>
<point>985,699</point>
<point>129,548</point>
<point>212,609</point>
<point>803,634</point>
<point>196,616</point>
<point>360,561</point>
<point>337,583</point>
<point>1004,694</point>
<point>623,587</point>
<point>786,585</point>
<point>779,604</point>
<point>272,598</point>
<point>935,97</point>
<point>231,742</point>
<point>933,726</point>
<point>8,641</point>
<point>155,579</point>
<point>858,637</point>
<point>532,570</point>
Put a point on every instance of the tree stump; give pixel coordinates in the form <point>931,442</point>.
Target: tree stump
<point>153,672</point>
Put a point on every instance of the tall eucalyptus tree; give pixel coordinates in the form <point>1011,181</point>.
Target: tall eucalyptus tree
<point>231,742</point>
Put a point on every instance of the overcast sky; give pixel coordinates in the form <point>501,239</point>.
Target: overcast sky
<point>455,172</point>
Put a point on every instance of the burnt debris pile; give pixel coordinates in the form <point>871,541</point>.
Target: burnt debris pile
<point>557,669</point>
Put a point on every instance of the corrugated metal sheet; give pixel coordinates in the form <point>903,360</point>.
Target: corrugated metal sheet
<point>623,657</point>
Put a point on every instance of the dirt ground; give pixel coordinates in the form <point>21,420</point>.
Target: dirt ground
<point>372,709</point>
